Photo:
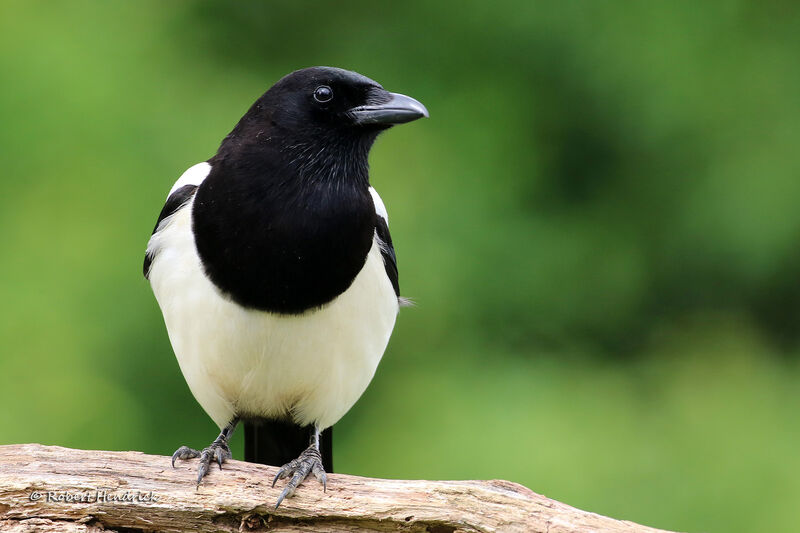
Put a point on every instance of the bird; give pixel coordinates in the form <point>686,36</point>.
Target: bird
<point>275,272</point>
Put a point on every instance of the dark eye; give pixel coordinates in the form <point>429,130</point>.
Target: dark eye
<point>323,94</point>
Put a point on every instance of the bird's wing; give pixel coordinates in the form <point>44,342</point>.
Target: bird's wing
<point>385,240</point>
<point>183,191</point>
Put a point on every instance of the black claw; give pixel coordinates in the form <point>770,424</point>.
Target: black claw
<point>281,497</point>
<point>285,470</point>
<point>202,470</point>
<point>184,452</point>
<point>221,454</point>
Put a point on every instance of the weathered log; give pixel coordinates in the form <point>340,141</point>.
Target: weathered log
<point>49,488</point>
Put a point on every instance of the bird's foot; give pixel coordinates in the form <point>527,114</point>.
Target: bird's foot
<point>310,461</point>
<point>218,451</point>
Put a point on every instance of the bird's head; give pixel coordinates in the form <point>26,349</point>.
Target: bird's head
<point>320,115</point>
<point>338,100</point>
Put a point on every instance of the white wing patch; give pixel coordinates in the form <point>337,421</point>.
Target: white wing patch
<point>193,176</point>
<point>380,209</point>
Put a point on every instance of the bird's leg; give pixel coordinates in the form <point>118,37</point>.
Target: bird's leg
<point>217,451</point>
<point>310,461</point>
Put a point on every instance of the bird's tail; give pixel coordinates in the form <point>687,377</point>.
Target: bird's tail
<point>276,442</point>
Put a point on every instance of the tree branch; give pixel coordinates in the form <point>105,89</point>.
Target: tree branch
<point>49,488</point>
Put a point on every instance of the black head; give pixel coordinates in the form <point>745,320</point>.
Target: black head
<point>327,97</point>
<point>334,112</point>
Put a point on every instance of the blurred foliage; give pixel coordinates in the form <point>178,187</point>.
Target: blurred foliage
<point>599,224</point>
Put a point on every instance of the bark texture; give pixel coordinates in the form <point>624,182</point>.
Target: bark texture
<point>49,488</point>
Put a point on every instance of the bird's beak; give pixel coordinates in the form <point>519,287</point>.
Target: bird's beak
<point>398,110</point>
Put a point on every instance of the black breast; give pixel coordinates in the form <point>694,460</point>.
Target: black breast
<point>275,243</point>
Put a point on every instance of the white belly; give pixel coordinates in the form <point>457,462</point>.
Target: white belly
<point>312,367</point>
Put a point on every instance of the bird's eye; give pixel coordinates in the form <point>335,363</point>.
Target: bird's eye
<point>323,94</point>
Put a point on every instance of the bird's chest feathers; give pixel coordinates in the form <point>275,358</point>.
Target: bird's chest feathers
<point>278,247</point>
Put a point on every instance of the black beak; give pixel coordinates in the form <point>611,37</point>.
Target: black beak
<point>398,110</point>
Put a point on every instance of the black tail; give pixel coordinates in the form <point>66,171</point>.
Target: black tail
<point>275,442</point>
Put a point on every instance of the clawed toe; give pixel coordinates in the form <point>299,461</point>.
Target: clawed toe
<point>310,461</point>
<point>184,452</point>
<point>222,455</point>
<point>218,452</point>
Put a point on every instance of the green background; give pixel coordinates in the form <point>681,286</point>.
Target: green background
<point>599,224</point>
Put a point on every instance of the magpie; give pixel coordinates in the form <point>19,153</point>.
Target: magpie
<point>275,272</point>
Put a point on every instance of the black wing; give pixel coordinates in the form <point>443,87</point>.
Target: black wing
<point>387,251</point>
<point>175,201</point>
